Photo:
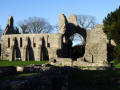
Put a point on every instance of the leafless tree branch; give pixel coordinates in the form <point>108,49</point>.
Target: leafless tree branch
<point>85,21</point>
<point>35,25</point>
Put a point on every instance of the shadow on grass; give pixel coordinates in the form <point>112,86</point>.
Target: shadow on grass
<point>73,78</point>
<point>16,76</point>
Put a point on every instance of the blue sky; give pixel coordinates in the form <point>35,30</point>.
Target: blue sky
<point>50,9</point>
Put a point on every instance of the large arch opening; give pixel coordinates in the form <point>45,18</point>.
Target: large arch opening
<point>75,46</point>
<point>73,41</point>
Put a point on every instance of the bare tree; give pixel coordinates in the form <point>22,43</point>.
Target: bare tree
<point>85,21</point>
<point>35,25</point>
<point>56,28</point>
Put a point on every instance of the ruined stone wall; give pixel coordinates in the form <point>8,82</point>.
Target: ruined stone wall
<point>50,42</point>
<point>96,45</point>
<point>38,46</point>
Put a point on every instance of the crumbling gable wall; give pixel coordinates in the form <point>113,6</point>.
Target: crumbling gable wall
<point>68,26</point>
<point>10,27</point>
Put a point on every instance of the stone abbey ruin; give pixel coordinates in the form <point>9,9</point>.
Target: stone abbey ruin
<point>54,47</point>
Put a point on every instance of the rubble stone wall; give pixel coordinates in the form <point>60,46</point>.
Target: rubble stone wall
<point>96,45</point>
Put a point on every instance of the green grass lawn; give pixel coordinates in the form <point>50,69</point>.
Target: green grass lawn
<point>20,63</point>
<point>117,66</point>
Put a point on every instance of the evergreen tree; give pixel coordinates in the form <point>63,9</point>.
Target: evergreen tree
<point>112,30</point>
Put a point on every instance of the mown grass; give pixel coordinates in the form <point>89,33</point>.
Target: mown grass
<point>115,64</point>
<point>20,63</point>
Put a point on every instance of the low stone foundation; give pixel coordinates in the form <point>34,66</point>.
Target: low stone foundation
<point>84,65</point>
<point>61,62</point>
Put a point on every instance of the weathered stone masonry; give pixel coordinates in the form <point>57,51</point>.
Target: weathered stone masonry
<point>48,46</point>
<point>28,46</point>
